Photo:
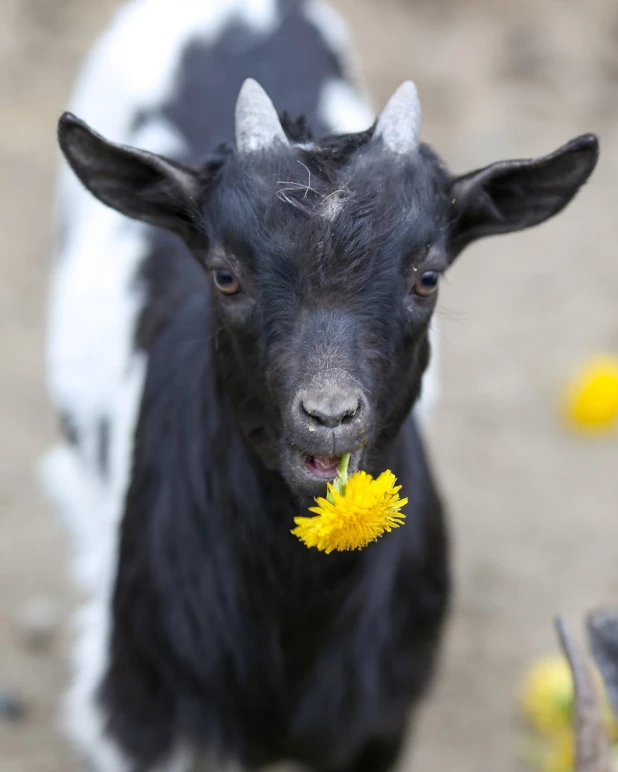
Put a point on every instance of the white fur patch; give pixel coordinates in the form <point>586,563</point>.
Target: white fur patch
<point>82,720</point>
<point>331,26</point>
<point>343,109</point>
<point>74,490</point>
<point>95,531</point>
<point>160,133</point>
<point>430,392</point>
<point>332,204</point>
<point>344,102</point>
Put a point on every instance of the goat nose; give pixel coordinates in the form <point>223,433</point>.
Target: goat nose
<point>330,409</point>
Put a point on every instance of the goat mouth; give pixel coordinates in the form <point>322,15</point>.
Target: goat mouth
<point>325,467</point>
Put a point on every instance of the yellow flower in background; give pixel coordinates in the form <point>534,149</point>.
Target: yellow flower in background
<point>547,703</point>
<point>356,511</point>
<point>547,698</point>
<point>592,397</point>
<point>547,694</point>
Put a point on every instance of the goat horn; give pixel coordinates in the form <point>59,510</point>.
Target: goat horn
<point>257,124</point>
<point>399,125</point>
<point>591,746</point>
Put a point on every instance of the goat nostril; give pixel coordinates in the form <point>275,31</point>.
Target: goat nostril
<point>350,414</point>
<point>330,411</point>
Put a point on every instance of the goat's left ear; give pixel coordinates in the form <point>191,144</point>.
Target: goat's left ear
<point>136,183</point>
<point>513,195</point>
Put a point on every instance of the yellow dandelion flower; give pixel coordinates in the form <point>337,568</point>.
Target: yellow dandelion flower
<point>591,403</point>
<point>547,694</point>
<point>547,697</point>
<point>356,511</point>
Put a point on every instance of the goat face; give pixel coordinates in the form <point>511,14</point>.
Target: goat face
<point>325,274</point>
<point>325,259</point>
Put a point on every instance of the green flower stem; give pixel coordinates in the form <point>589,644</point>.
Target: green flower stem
<point>341,480</point>
<point>344,465</point>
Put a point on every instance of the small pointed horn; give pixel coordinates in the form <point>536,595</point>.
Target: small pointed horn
<point>257,124</point>
<point>399,125</point>
<point>591,745</point>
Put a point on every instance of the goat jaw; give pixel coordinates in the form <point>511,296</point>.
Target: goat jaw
<point>592,753</point>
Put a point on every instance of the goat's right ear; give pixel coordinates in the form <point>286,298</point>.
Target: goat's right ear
<point>136,183</point>
<point>512,195</point>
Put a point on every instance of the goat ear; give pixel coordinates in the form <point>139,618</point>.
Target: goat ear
<point>513,195</point>
<point>136,183</point>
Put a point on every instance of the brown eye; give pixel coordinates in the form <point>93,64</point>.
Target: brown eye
<point>226,282</point>
<point>427,283</point>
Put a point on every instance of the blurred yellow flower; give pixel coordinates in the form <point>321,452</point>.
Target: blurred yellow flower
<point>591,403</point>
<point>356,511</point>
<point>547,694</point>
<point>547,698</point>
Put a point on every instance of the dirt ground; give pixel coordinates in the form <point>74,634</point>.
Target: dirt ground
<point>533,510</point>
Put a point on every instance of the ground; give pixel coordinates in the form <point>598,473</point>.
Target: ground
<point>532,509</point>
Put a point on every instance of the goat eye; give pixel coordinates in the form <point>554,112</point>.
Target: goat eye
<point>226,282</point>
<point>427,283</point>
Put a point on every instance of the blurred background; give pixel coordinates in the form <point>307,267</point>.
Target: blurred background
<point>533,508</point>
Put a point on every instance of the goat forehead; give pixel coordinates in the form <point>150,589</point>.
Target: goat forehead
<point>359,217</point>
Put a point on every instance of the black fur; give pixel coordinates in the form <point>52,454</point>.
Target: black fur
<point>227,631</point>
<point>226,627</point>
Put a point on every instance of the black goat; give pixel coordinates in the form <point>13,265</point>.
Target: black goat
<point>208,388</point>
